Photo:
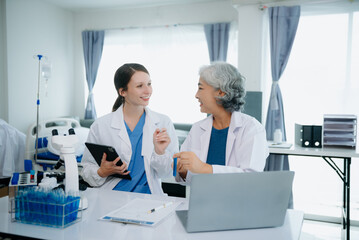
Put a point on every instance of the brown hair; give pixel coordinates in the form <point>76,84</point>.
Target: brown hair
<point>122,77</point>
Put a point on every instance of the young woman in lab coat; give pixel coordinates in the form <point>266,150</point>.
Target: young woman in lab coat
<point>227,140</point>
<point>144,140</point>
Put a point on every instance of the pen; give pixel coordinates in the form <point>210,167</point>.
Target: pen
<point>160,207</point>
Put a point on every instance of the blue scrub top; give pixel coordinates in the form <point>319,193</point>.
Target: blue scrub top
<point>137,167</point>
<point>217,147</point>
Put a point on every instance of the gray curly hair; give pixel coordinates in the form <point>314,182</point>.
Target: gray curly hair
<point>225,77</point>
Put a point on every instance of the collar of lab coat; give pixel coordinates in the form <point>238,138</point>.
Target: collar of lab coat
<point>236,122</point>
<point>206,126</point>
<point>151,123</point>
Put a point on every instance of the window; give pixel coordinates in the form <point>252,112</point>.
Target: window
<point>322,78</point>
<point>172,55</point>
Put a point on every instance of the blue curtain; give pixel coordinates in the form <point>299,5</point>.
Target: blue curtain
<point>93,46</point>
<point>217,40</point>
<point>283,27</point>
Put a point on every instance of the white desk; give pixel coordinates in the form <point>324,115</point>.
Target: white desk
<point>104,201</point>
<point>327,153</point>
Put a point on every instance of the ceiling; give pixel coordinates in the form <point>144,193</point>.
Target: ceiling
<point>78,5</point>
<point>90,5</point>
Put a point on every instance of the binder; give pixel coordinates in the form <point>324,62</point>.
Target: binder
<point>303,135</point>
<point>317,136</point>
<point>308,135</point>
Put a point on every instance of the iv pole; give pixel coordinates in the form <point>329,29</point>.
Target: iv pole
<point>38,108</point>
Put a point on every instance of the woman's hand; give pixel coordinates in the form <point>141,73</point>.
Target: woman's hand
<point>108,168</point>
<point>161,140</point>
<point>189,161</point>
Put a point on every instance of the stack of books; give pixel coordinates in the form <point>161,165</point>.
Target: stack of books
<point>339,130</point>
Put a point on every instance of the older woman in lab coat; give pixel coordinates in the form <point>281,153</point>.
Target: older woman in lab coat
<point>144,140</point>
<point>227,140</point>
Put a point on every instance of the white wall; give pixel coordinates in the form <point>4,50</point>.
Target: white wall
<point>253,30</point>
<point>250,35</point>
<point>35,27</point>
<point>154,16</point>
<point>3,83</point>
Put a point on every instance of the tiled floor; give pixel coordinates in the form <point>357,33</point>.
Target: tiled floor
<point>314,230</point>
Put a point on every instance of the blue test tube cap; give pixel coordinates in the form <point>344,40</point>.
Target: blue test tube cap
<point>15,178</point>
<point>174,167</point>
<point>27,165</point>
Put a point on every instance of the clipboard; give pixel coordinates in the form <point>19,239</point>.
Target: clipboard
<point>97,151</point>
<point>146,212</point>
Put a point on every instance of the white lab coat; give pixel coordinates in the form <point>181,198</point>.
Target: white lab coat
<point>12,150</point>
<point>111,130</point>
<point>246,148</point>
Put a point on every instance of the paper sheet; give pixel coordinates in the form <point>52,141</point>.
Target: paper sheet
<point>279,145</point>
<point>137,212</point>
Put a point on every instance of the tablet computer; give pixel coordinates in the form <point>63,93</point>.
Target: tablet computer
<point>97,151</point>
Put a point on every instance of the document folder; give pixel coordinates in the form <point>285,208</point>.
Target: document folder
<point>142,212</point>
<point>308,135</point>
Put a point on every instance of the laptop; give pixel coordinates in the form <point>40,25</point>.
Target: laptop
<point>237,201</point>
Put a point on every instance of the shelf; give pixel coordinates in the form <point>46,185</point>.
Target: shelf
<point>339,130</point>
